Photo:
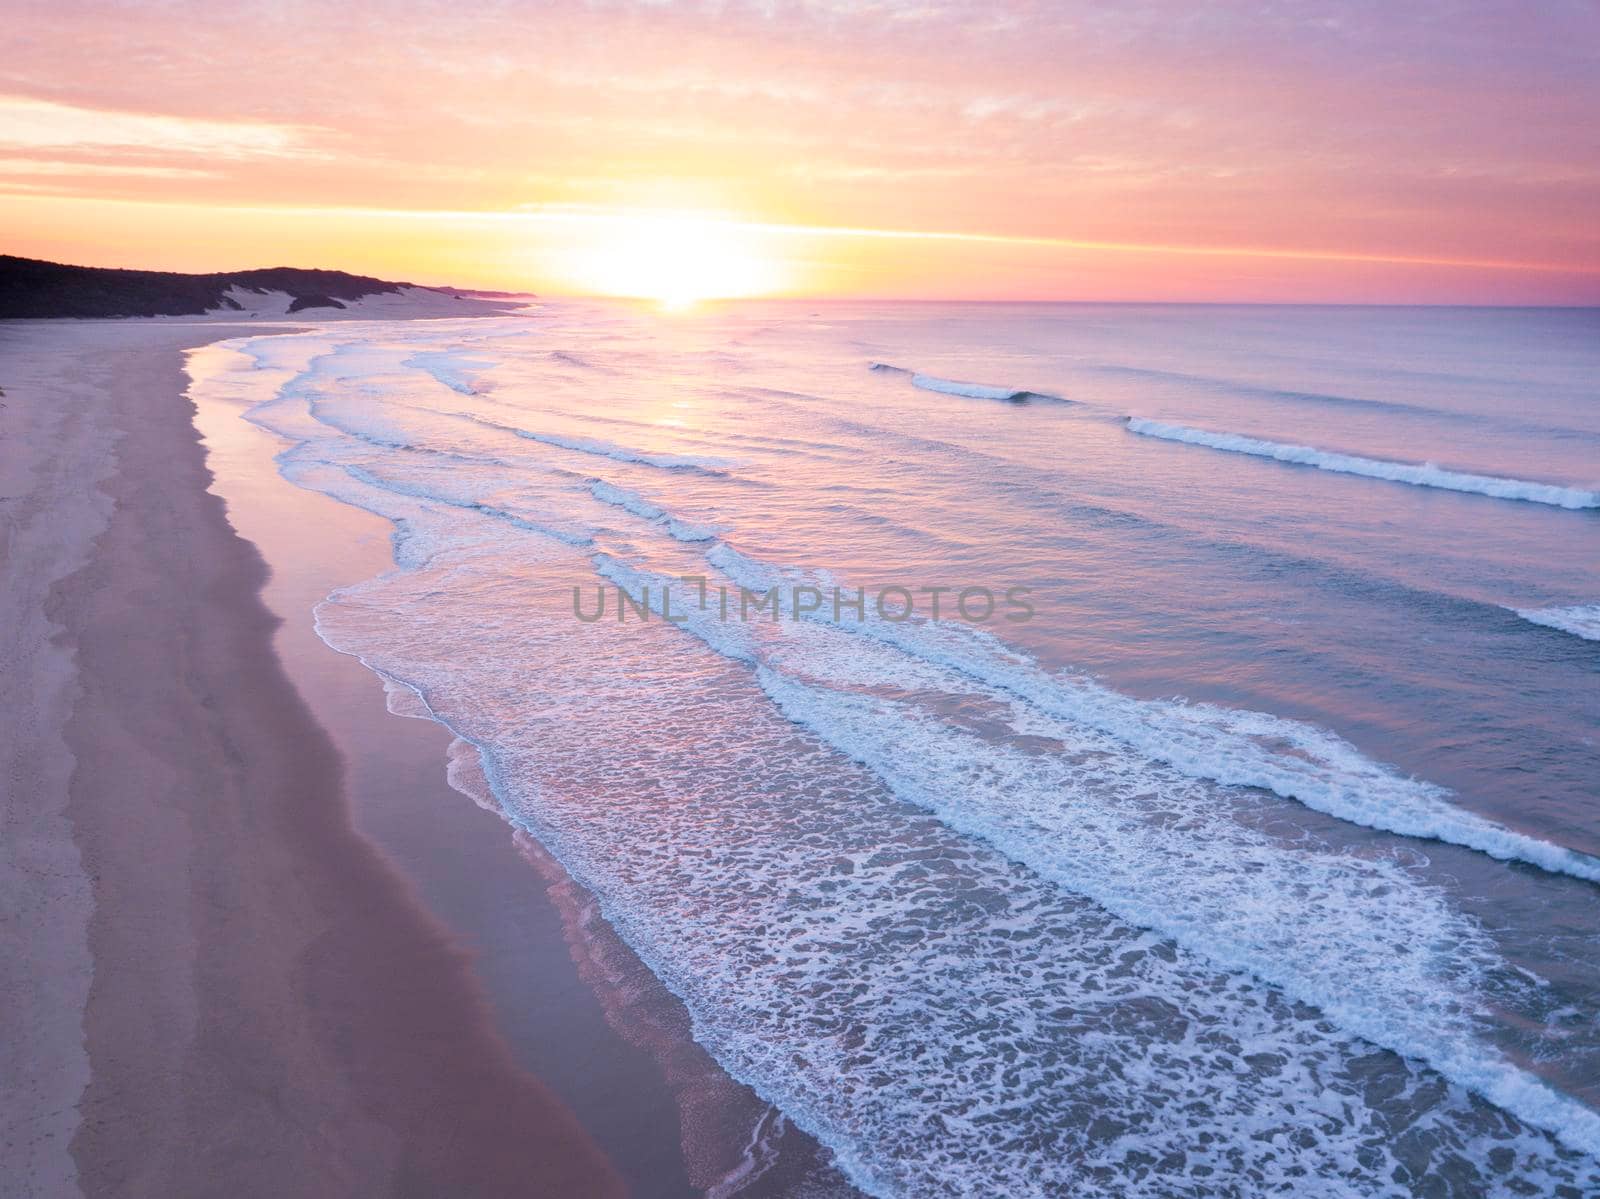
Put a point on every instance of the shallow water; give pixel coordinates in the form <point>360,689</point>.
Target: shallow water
<point>983,904</point>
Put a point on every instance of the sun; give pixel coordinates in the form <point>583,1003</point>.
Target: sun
<point>677,261</point>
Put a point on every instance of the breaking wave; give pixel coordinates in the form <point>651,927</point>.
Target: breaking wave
<point>459,372</point>
<point>973,391</point>
<point>1581,620</point>
<point>1234,747</point>
<point>1424,474</point>
<point>938,903</point>
<point>1381,953</point>
<point>632,501</point>
<point>617,453</point>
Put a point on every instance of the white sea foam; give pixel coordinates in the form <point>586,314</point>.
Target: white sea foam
<point>456,370</point>
<point>621,497</point>
<point>1423,474</point>
<point>619,453</point>
<point>445,486</point>
<point>922,1006</point>
<point>1227,745</point>
<point>955,387</point>
<point>1381,954</point>
<point>975,391</point>
<point>913,996</point>
<point>1581,620</point>
<point>632,501</point>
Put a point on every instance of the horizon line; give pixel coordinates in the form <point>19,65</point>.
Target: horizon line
<point>561,213</point>
<point>822,298</point>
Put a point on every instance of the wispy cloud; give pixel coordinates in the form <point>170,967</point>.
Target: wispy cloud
<point>1248,131</point>
<point>49,168</point>
<point>35,125</point>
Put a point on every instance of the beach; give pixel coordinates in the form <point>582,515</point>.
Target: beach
<point>408,799</point>
<point>260,943</point>
<point>214,985</point>
<point>821,601</point>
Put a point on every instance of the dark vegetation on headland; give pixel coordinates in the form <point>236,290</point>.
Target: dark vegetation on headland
<point>32,288</point>
<point>300,303</point>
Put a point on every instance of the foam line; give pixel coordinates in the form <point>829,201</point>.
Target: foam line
<point>456,371</point>
<point>617,453</point>
<point>632,501</point>
<point>1231,746</point>
<point>912,987</point>
<point>1155,849</point>
<point>972,391</point>
<point>1423,474</point>
<point>1581,620</point>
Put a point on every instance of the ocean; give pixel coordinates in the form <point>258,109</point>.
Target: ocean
<point>1049,749</point>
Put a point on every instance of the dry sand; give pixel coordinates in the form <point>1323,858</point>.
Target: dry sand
<point>212,985</point>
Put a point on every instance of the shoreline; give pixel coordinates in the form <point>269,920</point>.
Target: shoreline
<point>458,858</point>
<point>577,1006</point>
<point>269,1011</point>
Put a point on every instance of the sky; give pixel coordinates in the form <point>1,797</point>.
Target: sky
<point>1348,152</point>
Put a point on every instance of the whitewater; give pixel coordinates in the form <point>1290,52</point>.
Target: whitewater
<point>1260,857</point>
<point>1420,474</point>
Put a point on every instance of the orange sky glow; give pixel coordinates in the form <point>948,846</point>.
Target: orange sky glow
<point>1296,152</point>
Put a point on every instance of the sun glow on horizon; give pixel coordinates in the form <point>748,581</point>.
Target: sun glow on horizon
<point>674,260</point>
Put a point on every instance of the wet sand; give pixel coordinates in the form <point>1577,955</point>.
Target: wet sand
<point>216,985</point>
<point>577,1006</point>
<point>458,857</point>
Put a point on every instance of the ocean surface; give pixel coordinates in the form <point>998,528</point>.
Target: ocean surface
<point>1230,827</point>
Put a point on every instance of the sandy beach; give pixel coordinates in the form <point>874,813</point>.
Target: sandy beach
<point>214,985</point>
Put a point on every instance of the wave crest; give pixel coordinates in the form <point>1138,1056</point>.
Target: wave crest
<point>1581,620</point>
<point>1419,474</point>
<point>972,391</point>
